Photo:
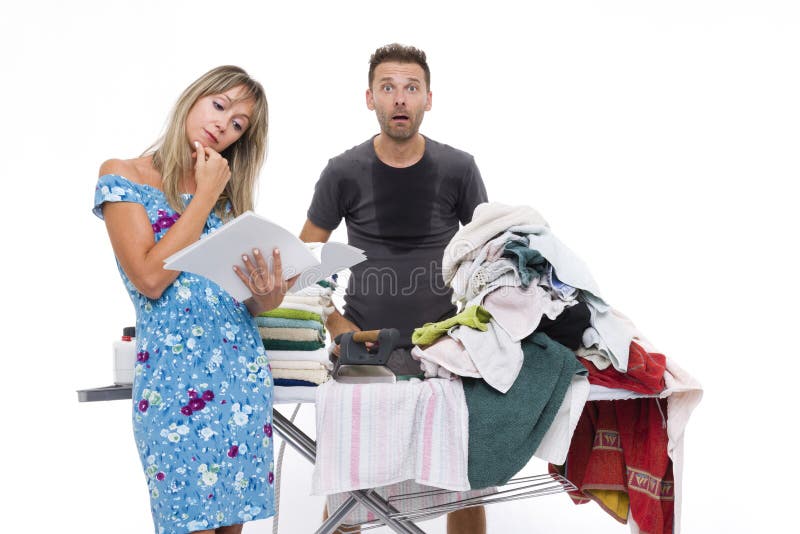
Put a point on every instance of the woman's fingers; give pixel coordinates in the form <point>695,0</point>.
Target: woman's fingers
<point>211,169</point>
<point>261,280</point>
<point>263,270</point>
<point>277,269</point>
<point>261,262</point>
<point>200,162</point>
<point>266,284</point>
<point>244,278</point>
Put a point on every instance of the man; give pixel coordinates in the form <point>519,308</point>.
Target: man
<point>402,196</point>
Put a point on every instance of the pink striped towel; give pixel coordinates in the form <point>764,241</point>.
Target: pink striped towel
<point>371,435</point>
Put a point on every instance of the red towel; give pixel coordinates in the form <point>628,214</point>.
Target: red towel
<point>645,372</point>
<point>651,487</point>
<point>622,446</point>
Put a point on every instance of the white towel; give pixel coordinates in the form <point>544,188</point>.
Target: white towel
<point>496,356</point>
<point>617,332</point>
<point>294,394</point>
<point>310,300</point>
<point>554,446</point>
<point>519,310</point>
<point>318,355</point>
<point>445,353</point>
<point>683,394</point>
<point>594,354</point>
<point>372,435</point>
<point>488,220</point>
<point>300,364</point>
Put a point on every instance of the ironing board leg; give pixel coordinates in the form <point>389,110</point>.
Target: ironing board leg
<point>332,523</point>
<point>295,437</point>
<point>382,509</point>
<point>307,447</point>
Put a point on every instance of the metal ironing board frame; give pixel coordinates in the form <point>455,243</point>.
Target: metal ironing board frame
<point>388,515</point>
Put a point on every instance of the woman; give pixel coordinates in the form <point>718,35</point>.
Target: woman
<point>202,392</point>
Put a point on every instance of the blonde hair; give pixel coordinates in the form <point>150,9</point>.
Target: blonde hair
<point>172,155</point>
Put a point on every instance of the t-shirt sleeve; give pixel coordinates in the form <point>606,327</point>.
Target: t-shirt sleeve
<point>327,209</point>
<point>473,192</point>
<point>114,188</point>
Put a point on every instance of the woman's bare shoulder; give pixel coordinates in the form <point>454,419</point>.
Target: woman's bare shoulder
<point>137,170</point>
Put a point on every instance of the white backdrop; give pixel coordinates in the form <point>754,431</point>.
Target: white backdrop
<point>660,140</point>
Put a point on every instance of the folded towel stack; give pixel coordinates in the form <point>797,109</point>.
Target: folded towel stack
<point>294,336</point>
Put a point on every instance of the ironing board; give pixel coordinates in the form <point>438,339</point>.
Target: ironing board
<point>401,522</point>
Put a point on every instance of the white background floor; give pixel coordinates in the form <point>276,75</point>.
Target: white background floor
<point>660,140</point>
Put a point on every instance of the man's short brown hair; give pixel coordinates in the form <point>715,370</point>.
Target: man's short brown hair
<point>400,54</point>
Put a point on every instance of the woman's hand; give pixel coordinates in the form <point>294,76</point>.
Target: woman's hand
<point>268,287</point>
<point>211,171</point>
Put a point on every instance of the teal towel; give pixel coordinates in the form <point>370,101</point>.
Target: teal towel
<point>281,322</point>
<point>280,344</point>
<point>530,263</point>
<point>505,430</point>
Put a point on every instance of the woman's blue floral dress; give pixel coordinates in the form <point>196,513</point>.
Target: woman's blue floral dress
<point>202,393</point>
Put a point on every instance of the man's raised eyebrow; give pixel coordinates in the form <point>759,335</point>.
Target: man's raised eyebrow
<point>391,79</point>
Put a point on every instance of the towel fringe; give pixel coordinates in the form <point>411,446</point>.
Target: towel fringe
<point>661,411</point>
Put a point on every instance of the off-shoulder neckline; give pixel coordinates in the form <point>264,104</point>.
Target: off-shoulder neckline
<point>142,185</point>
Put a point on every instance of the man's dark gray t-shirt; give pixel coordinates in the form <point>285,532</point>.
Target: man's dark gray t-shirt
<point>402,218</point>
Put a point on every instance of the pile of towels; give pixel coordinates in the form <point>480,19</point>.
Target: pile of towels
<point>294,336</point>
<point>510,262</point>
<point>524,293</point>
<point>533,333</point>
<point>509,266</point>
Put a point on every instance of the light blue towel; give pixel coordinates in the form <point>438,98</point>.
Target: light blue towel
<point>616,332</point>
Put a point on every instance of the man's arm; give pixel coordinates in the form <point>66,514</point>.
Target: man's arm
<point>473,192</point>
<point>336,323</point>
<point>311,233</point>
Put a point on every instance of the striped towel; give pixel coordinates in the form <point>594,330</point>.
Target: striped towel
<point>291,334</point>
<point>280,322</point>
<point>371,435</point>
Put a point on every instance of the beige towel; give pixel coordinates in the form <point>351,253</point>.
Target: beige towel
<point>318,376</point>
<point>290,334</point>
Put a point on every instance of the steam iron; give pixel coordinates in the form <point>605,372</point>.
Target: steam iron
<point>358,364</point>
